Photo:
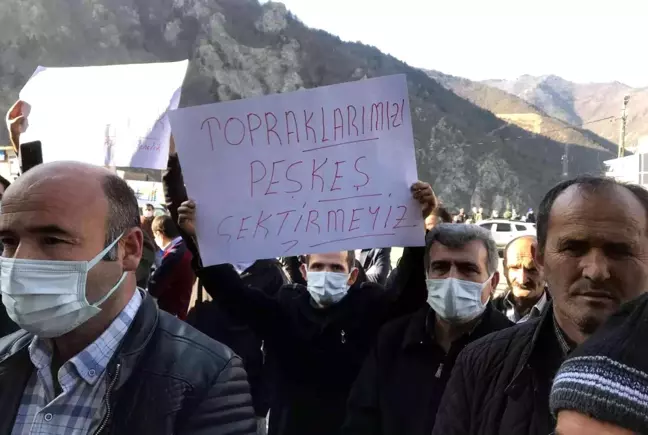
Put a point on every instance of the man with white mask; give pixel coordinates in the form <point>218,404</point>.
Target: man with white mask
<point>318,335</point>
<point>95,355</point>
<point>402,381</point>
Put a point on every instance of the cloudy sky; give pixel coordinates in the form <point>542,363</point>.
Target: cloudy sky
<point>580,40</point>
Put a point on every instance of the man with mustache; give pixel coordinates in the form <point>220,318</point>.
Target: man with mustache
<point>526,298</point>
<point>593,251</point>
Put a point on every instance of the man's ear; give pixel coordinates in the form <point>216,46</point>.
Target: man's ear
<point>353,276</point>
<point>132,243</point>
<point>495,281</point>
<point>302,269</point>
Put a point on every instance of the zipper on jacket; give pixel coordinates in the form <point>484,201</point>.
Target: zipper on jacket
<point>342,336</point>
<point>106,418</point>
<point>439,371</point>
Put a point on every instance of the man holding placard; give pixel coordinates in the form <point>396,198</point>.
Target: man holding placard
<point>319,334</point>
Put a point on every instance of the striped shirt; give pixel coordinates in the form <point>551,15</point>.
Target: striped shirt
<point>79,408</point>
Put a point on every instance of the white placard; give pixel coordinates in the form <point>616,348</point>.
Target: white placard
<point>318,170</point>
<point>104,115</point>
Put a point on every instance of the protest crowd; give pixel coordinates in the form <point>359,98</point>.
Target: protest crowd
<point>113,322</point>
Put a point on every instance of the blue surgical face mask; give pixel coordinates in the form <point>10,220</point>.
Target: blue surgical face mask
<point>327,288</point>
<point>456,300</point>
<point>48,298</point>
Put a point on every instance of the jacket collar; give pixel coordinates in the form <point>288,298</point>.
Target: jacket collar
<point>420,329</point>
<point>137,338</point>
<point>542,324</point>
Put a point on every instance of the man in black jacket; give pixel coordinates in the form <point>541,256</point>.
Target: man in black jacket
<point>593,248</point>
<point>95,355</point>
<point>319,335</point>
<point>400,386</point>
<point>376,263</point>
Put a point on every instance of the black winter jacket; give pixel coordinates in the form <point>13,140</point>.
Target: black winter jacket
<point>7,326</point>
<point>168,379</point>
<point>400,386</point>
<point>501,383</point>
<point>318,352</point>
<point>209,318</point>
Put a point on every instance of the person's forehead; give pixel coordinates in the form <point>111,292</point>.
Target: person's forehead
<point>520,250</point>
<point>329,257</point>
<point>60,201</point>
<point>610,212</point>
<point>473,252</point>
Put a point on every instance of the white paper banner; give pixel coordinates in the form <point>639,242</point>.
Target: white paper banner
<point>104,115</point>
<point>318,170</point>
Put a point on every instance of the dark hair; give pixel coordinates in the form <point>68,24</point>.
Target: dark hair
<point>166,226</point>
<point>149,205</point>
<point>123,211</point>
<point>350,259</point>
<point>588,183</point>
<point>458,236</point>
<point>5,183</point>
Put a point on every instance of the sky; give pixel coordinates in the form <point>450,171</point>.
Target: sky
<point>579,40</point>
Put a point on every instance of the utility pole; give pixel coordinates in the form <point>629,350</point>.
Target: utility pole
<point>624,118</point>
<point>565,162</point>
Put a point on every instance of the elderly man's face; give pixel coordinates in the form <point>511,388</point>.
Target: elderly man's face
<point>59,215</point>
<point>523,276</point>
<point>596,254</point>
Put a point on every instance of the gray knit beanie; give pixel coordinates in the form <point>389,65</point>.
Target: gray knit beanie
<point>607,376</point>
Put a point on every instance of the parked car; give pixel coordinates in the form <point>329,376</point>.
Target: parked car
<point>504,231</point>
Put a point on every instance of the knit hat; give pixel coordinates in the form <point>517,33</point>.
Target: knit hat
<point>607,376</point>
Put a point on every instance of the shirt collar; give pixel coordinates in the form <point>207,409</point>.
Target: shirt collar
<point>92,361</point>
<point>534,312</point>
<point>563,341</point>
<point>173,242</point>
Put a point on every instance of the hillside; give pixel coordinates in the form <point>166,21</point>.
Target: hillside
<point>580,104</point>
<point>499,102</point>
<point>239,49</point>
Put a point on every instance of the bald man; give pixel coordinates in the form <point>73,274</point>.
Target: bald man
<point>94,353</point>
<point>527,296</point>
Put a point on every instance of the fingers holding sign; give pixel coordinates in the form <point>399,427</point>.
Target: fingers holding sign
<point>187,217</point>
<point>16,123</point>
<point>423,193</point>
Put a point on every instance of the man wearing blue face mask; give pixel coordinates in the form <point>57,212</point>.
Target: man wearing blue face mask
<point>95,355</point>
<point>401,384</point>
<point>317,335</point>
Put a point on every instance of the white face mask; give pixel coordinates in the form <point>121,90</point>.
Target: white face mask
<point>456,300</point>
<point>48,297</point>
<point>148,213</point>
<point>327,288</point>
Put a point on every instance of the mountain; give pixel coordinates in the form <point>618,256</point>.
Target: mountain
<point>580,104</point>
<point>518,111</point>
<point>239,48</point>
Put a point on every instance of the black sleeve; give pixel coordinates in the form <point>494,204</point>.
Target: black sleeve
<point>249,304</point>
<point>407,291</point>
<point>380,269</point>
<point>227,408</point>
<point>175,194</point>
<point>363,406</point>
